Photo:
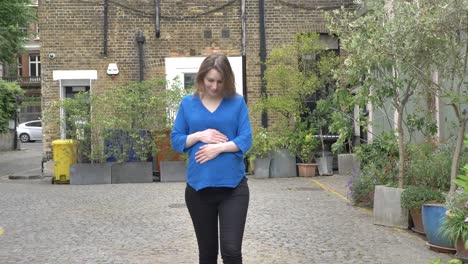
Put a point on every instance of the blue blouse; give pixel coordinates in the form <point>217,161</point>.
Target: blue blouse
<point>230,118</point>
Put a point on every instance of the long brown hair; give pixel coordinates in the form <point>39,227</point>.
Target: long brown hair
<point>220,63</point>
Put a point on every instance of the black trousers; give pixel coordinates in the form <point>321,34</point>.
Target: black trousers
<point>229,205</point>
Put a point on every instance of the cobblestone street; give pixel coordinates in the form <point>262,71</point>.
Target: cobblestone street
<point>291,220</point>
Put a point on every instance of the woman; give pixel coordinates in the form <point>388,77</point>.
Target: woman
<point>213,127</point>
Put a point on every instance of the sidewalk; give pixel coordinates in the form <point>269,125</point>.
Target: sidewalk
<point>335,183</point>
<point>291,220</point>
<point>22,164</point>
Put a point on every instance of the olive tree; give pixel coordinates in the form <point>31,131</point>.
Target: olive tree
<point>389,44</point>
<point>15,16</point>
<point>449,54</point>
<point>295,72</point>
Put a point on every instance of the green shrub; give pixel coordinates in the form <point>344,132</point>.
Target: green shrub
<point>8,93</point>
<point>262,143</point>
<point>415,196</point>
<point>383,152</point>
<point>303,142</point>
<point>429,166</point>
<point>455,226</point>
<point>361,186</point>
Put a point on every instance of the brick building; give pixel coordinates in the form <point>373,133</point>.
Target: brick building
<point>81,38</point>
<point>26,71</point>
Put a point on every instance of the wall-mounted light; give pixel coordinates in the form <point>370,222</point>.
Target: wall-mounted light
<point>112,70</point>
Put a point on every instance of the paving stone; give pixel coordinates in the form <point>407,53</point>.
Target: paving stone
<point>290,220</point>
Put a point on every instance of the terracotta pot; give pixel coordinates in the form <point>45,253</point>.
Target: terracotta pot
<point>367,200</point>
<point>416,215</point>
<point>462,252</point>
<point>164,148</point>
<point>307,169</point>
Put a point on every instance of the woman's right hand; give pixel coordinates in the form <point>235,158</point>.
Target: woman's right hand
<point>211,136</point>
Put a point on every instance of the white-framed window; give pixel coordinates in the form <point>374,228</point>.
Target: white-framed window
<point>20,67</point>
<point>189,80</point>
<point>36,31</point>
<point>34,65</point>
<point>180,67</point>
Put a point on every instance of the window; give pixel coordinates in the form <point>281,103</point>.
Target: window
<point>71,91</point>
<point>20,66</point>
<point>34,65</point>
<point>179,67</point>
<point>34,124</point>
<point>207,34</point>
<point>189,80</point>
<point>36,31</point>
<point>225,33</point>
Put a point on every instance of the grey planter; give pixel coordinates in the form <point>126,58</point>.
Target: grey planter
<point>325,165</point>
<point>262,168</point>
<point>283,164</point>
<point>347,163</point>
<point>173,171</point>
<point>90,173</point>
<point>132,172</point>
<point>387,207</point>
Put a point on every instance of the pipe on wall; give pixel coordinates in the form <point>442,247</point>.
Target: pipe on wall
<point>244,62</point>
<point>261,5</point>
<point>106,26</point>
<point>158,15</point>
<point>140,39</point>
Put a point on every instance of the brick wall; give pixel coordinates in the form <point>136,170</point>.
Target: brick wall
<point>73,31</point>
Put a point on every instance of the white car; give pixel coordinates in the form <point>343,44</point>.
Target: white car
<point>30,131</point>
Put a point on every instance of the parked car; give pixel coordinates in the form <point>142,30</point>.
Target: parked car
<point>30,131</point>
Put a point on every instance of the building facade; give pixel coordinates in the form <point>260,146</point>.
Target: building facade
<point>81,40</point>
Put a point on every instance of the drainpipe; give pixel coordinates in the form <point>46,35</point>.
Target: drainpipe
<point>261,5</point>
<point>158,14</point>
<point>244,62</point>
<point>140,39</point>
<point>106,11</point>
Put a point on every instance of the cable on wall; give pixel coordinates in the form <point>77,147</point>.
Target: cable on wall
<point>152,15</point>
<point>325,8</point>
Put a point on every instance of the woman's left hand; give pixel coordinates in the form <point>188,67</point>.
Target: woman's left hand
<point>207,152</point>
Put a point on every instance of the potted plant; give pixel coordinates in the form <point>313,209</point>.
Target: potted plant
<point>172,165</point>
<point>112,129</point>
<point>292,79</point>
<point>378,164</point>
<point>321,116</point>
<point>88,163</point>
<point>260,152</point>
<point>377,170</point>
<point>343,126</point>
<point>429,165</point>
<point>455,227</point>
<point>412,199</point>
<point>304,143</point>
<point>130,113</point>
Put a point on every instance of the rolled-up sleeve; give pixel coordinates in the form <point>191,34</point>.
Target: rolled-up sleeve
<point>244,131</point>
<point>180,131</point>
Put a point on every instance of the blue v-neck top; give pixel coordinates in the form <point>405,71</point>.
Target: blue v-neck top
<point>230,118</point>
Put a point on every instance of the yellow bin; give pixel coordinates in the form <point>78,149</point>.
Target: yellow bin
<point>64,151</point>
